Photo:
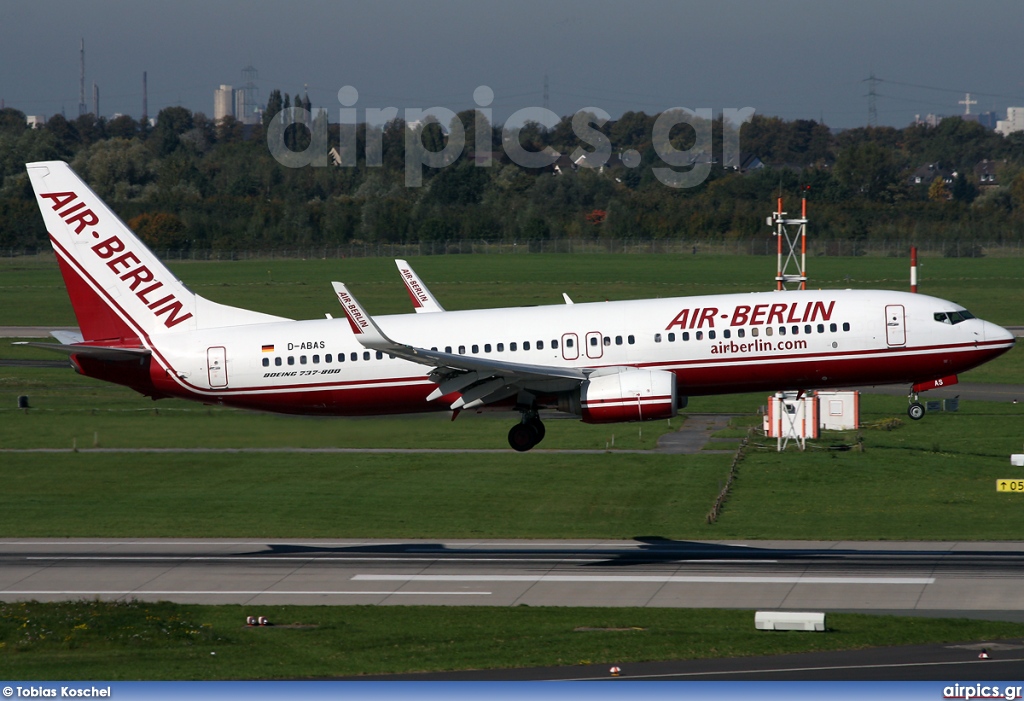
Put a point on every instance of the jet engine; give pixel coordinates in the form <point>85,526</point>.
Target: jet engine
<point>627,394</point>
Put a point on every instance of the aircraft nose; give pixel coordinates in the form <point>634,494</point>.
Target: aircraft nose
<point>994,332</point>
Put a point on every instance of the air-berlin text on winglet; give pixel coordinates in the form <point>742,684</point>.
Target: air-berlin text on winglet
<point>355,317</point>
<point>757,315</point>
<point>413,285</point>
<point>126,266</point>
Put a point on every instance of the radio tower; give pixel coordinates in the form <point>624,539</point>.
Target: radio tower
<point>81,81</point>
<point>145,101</point>
<point>545,91</point>
<point>792,244</point>
<point>871,80</point>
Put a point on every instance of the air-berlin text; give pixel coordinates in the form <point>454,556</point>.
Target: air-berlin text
<point>415,291</point>
<point>124,263</point>
<point>756,315</point>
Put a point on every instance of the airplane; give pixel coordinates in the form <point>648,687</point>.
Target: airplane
<point>602,361</point>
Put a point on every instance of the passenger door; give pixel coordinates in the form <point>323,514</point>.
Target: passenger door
<point>895,325</point>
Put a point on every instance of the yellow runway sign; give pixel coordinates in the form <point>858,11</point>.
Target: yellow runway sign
<point>1008,485</point>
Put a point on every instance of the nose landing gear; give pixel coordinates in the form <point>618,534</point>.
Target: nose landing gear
<point>916,408</point>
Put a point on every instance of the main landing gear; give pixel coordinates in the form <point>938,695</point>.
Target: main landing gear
<point>527,433</point>
<point>916,408</point>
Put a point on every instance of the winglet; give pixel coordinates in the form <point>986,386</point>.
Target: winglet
<point>422,298</point>
<point>565,296</point>
<point>363,326</point>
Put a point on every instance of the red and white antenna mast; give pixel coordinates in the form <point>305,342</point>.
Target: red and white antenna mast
<point>792,237</point>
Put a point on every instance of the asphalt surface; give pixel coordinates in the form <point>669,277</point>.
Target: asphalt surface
<point>930,578</point>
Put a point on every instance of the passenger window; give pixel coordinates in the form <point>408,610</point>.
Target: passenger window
<point>341,357</point>
<point>593,340</point>
<point>782,330</point>
<point>512,346</point>
<point>699,336</point>
<point>433,348</point>
<point>366,355</point>
<point>740,333</point>
<point>768,331</point>
<point>796,330</point>
<point>291,360</point>
<point>475,349</point>
<point>327,358</point>
<point>462,350</point>
<point>447,349</point>
<point>618,340</point>
<point>277,361</point>
<point>302,360</point>
<point>833,328</point>
<point>630,339</point>
<point>711,335</point>
<point>487,348</point>
<point>607,340</point>
<point>316,360</point>
<point>353,357</point>
<point>846,326</point>
<point>540,345</point>
<point>380,355</point>
<point>726,334</point>
<point>554,344</point>
<point>685,335</point>
<point>671,338</point>
<point>657,338</point>
<point>754,332</point>
<point>266,362</point>
<point>808,328</point>
<point>501,347</point>
<point>526,345</point>
<point>821,328</point>
<point>568,343</point>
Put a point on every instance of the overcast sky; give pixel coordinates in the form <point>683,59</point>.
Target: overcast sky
<point>791,58</point>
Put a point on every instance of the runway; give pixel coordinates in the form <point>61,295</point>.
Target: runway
<point>975,579</point>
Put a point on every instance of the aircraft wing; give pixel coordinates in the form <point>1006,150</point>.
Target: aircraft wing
<point>423,299</point>
<point>479,380</point>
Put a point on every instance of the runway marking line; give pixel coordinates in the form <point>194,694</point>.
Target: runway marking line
<point>638,579</point>
<point>184,592</point>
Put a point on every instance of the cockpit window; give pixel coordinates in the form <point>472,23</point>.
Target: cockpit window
<point>953,317</point>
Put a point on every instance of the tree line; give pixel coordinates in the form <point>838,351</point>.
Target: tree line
<point>189,183</point>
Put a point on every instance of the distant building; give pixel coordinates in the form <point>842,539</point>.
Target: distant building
<point>1014,121</point>
<point>985,119</point>
<point>927,173</point>
<point>223,102</point>
<point>35,121</point>
<point>985,172</point>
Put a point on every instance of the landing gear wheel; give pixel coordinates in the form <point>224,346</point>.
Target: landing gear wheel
<point>916,411</point>
<point>538,428</point>
<point>522,437</point>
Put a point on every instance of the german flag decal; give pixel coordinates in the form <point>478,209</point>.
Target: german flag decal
<point>268,348</point>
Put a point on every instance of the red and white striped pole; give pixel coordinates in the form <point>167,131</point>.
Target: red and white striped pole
<point>913,268</point>
<point>778,235</point>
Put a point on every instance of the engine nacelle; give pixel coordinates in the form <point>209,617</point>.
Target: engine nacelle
<point>629,395</point>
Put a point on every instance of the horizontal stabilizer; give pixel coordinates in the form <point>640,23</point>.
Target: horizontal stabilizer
<point>101,352</point>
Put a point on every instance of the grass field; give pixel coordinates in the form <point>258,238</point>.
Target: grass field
<point>168,641</point>
<point>32,293</point>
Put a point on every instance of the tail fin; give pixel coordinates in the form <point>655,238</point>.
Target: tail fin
<point>119,289</point>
